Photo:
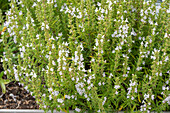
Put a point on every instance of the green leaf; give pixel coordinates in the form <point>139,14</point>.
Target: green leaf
<point>133,108</point>
<point>3,86</point>
<point>139,98</point>
<point>122,106</point>
<point>1,27</point>
<point>1,74</point>
<point>5,81</point>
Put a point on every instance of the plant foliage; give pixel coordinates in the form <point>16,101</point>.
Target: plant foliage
<point>96,55</point>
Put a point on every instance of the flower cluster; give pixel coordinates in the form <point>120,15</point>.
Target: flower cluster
<point>89,55</point>
<point>133,88</point>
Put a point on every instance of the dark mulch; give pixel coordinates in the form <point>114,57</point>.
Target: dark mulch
<point>16,97</point>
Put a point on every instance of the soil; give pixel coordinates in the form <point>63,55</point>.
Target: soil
<point>16,97</point>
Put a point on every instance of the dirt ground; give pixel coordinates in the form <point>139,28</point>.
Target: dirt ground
<point>16,97</point>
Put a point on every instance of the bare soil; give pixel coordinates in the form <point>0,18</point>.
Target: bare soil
<point>16,97</point>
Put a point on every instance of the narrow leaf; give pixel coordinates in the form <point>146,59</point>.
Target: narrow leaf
<point>139,98</point>
<point>2,73</point>
<point>6,81</point>
<point>3,87</point>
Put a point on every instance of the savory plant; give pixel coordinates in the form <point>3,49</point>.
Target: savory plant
<point>2,81</point>
<point>95,55</point>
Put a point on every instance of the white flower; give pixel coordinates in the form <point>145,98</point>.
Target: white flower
<point>117,87</point>
<point>132,98</point>
<point>153,57</point>
<point>47,56</point>
<point>27,74</point>
<point>93,60</point>
<point>99,83</point>
<point>99,110</point>
<point>146,96</point>
<point>132,83</point>
<point>99,4</point>
<point>104,74</point>
<point>103,102</point>
<point>72,79</point>
<point>47,27</point>
<point>97,42</point>
<point>60,100</point>
<point>133,32</point>
<point>53,62</point>
<point>167,99</point>
<point>166,59</point>
<point>67,96</point>
<point>143,62</point>
<point>102,11</point>
<point>57,38</point>
<point>34,4</point>
<point>113,51</point>
<point>16,77</point>
<point>129,50</point>
<point>70,69</point>
<point>37,36</point>
<point>26,87</point>
<point>138,68</point>
<point>48,1</point>
<point>120,47</point>
<point>128,68</point>
<point>55,5</point>
<point>88,81</point>
<point>60,73</point>
<point>42,28</point>
<point>113,35</point>
<point>34,75</point>
<point>150,40</point>
<point>78,110</point>
<point>60,34</point>
<point>96,9</point>
<point>52,69</point>
<point>7,59</point>
<point>122,43</point>
<point>55,93</point>
<point>53,46</point>
<point>117,48</point>
<point>50,97</point>
<point>72,96</point>
<point>20,13</point>
<point>152,97</point>
<point>15,40</point>
<point>80,15</point>
<point>136,90</point>
<point>85,95</point>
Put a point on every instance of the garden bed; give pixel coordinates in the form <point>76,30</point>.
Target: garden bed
<point>101,57</point>
<point>16,97</point>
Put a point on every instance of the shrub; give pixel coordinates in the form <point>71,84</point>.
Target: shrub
<point>2,81</point>
<point>102,55</point>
